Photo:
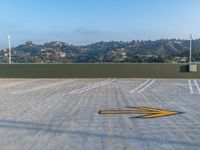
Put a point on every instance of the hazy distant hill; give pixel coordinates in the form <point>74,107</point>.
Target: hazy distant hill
<point>114,51</point>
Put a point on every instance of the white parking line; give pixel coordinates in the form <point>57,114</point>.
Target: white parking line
<point>43,87</point>
<point>198,88</point>
<point>147,86</point>
<point>194,87</point>
<point>140,86</point>
<point>92,86</point>
<point>190,85</point>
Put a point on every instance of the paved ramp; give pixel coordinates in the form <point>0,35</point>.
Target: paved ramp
<point>62,114</point>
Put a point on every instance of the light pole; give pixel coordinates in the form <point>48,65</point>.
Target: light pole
<point>190,48</point>
<point>9,47</point>
<point>192,66</point>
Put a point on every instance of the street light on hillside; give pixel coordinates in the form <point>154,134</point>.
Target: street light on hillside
<point>9,48</point>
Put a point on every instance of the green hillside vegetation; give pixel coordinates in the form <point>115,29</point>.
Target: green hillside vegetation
<point>159,51</point>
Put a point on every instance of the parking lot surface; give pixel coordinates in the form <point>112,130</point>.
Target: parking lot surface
<point>63,114</point>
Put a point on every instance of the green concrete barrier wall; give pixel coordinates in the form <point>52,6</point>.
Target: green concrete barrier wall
<point>97,71</point>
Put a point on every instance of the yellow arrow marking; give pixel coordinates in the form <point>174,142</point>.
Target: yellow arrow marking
<point>148,112</point>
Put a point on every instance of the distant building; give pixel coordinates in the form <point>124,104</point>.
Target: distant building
<point>123,55</point>
<point>43,50</point>
<point>181,59</point>
<point>150,56</point>
<point>184,60</point>
<point>62,54</point>
<point>5,54</point>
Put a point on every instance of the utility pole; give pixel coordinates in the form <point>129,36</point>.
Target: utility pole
<point>9,47</point>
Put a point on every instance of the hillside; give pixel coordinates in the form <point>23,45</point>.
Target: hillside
<point>115,51</point>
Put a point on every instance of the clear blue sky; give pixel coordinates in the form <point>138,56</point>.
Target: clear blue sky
<point>87,21</point>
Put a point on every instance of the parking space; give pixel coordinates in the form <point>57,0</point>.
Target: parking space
<point>37,114</point>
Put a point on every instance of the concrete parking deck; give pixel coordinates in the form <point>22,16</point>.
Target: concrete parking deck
<point>62,114</point>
